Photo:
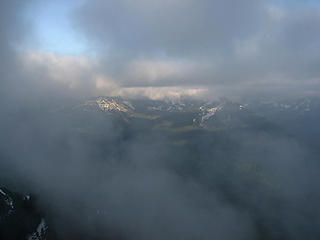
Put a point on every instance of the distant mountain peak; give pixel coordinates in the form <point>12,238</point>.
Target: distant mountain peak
<point>209,112</point>
<point>111,104</point>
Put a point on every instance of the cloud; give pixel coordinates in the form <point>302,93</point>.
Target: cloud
<point>172,27</point>
<point>83,76</point>
<point>223,47</point>
<point>204,43</point>
<point>227,48</point>
<point>73,72</point>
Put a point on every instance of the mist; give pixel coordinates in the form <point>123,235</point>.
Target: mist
<point>96,176</point>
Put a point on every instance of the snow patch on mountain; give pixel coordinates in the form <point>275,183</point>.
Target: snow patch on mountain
<point>40,232</point>
<point>110,105</point>
<point>168,106</point>
<point>8,200</point>
<point>2,192</point>
<point>208,113</point>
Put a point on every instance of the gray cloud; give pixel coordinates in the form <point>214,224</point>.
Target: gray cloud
<point>144,47</point>
<point>226,44</point>
<point>175,28</point>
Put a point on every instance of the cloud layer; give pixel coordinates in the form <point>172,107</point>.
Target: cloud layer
<point>212,44</point>
<point>183,47</point>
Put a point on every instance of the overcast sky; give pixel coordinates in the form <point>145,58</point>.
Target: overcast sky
<point>160,48</point>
